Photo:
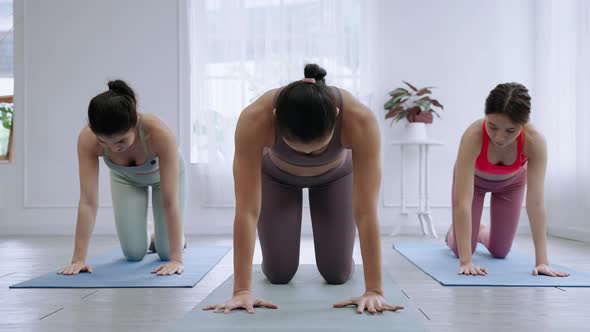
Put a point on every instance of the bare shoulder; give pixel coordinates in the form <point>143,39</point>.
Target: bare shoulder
<point>472,136</point>
<point>471,142</point>
<point>256,121</point>
<point>87,143</point>
<point>158,136</point>
<point>358,122</point>
<point>534,141</point>
<point>152,124</point>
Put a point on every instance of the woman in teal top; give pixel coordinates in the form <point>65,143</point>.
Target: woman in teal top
<point>141,151</point>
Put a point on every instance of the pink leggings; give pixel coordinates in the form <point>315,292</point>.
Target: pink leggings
<point>505,207</point>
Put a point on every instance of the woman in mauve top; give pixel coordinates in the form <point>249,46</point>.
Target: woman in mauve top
<point>500,154</point>
<point>307,135</point>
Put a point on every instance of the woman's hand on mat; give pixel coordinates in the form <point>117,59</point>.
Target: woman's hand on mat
<point>75,268</point>
<point>544,269</point>
<point>170,268</point>
<point>472,269</point>
<point>371,301</point>
<point>245,300</point>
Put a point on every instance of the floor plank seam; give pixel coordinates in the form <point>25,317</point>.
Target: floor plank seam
<point>405,294</point>
<point>51,313</point>
<point>423,313</point>
<point>87,295</point>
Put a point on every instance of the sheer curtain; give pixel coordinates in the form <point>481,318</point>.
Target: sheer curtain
<point>241,48</point>
<point>561,110</point>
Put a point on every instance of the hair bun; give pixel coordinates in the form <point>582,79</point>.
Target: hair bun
<point>313,70</point>
<point>120,87</point>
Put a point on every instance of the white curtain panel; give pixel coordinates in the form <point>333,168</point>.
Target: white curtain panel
<point>561,105</point>
<point>242,48</point>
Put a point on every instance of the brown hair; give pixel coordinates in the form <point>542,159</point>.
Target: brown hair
<point>113,111</point>
<point>511,99</point>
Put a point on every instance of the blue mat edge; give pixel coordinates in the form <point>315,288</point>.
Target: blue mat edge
<point>478,285</point>
<point>16,286</point>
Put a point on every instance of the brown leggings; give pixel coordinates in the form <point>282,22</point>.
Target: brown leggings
<point>279,225</point>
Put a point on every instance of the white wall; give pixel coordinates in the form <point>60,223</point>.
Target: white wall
<point>464,48</point>
<point>71,48</point>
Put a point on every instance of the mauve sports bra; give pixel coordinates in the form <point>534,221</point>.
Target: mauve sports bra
<point>332,152</point>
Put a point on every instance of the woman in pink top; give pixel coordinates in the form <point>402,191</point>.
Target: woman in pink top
<point>501,154</point>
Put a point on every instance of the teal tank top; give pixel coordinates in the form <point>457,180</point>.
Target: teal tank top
<point>151,164</point>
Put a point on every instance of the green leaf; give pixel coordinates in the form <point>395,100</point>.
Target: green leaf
<point>398,91</point>
<point>6,125</point>
<point>424,103</point>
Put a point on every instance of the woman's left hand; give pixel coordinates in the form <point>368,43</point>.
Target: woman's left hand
<point>371,301</point>
<point>544,269</point>
<point>170,268</point>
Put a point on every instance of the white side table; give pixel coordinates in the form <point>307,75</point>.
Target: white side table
<point>423,193</point>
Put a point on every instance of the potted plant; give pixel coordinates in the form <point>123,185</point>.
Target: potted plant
<point>414,105</point>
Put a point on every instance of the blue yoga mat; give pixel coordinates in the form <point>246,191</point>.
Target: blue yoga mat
<point>112,270</point>
<point>439,262</point>
<point>305,304</point>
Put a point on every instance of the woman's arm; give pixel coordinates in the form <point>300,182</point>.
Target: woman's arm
<point>167,151</point>
<point>361,133</point>
<point>536,152</point>
<point>365,142</point>
<point>88,204</point>
<point>252,132</point>
<point>535,200</point>
<point>247,167</point>
<point>464,173</point>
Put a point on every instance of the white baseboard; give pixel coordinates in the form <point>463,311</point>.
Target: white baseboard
<point>571,233</point>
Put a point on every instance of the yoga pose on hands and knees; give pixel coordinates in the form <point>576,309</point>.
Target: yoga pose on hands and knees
<point>141,151</point>
<point>307,135</point>
<point>500,154</point>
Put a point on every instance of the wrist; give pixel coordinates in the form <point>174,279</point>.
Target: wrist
<point>465,261</point>
<point>375,290</point>
<point>238,292</point>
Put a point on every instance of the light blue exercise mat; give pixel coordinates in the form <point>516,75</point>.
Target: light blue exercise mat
<point>305,304</point>
<point>439,262</point>
<point>112,270</point>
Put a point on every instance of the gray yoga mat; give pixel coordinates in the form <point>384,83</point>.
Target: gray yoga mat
<point>305,304</point>
<point>439,262</point>
<point>112,270</point>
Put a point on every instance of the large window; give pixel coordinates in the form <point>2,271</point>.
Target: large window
<point>6,78</point>
<point>241,48</point>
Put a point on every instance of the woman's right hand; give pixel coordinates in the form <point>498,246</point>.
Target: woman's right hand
<point>245,300</point>
<point>472,269</point>
<point>76,268</point>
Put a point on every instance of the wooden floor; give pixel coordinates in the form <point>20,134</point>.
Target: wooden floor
<point>440,308</point>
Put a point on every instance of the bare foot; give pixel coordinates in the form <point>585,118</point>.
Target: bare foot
<point>152,234</point>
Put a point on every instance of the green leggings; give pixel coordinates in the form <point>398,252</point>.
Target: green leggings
<point>130,202</point>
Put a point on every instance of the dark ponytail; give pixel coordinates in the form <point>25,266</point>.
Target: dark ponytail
<point>306,111</point>
<point>113,111</point>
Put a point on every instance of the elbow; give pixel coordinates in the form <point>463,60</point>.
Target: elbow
<point>169,203</point>
<point>90,204</point>
<point>535,206</point>
<point>249,216</point>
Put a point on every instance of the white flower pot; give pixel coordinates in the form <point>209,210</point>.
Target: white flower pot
<point>416,131</point>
